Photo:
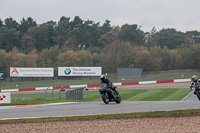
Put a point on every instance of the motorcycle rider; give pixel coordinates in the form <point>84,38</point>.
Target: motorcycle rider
<point>110,85</point>
<point>195,83</point>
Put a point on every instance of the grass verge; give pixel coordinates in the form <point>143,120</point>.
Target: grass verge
<point>145,114</point>
<point>163,94</point>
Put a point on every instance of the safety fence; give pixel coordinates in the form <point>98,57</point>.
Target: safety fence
<point>63,94</point>
<point>76,94</point>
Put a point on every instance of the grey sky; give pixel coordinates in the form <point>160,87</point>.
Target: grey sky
<point>183,15</point>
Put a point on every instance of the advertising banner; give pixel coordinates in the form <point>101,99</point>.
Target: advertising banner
<point>31,72</point>
<point>79,71</point>
<point>5,98</point>
<point>2,76</point>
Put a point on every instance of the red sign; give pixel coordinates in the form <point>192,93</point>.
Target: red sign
<point>5,98</point>
<point>2,97</point>
<point>14,71</point>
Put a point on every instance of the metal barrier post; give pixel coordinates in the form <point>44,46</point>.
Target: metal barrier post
<point>75,92</point>
<point>82,94</point>
<point>52,94</point>
<point>45,96</point>
<point>59,94</point>
<point>67,95</point>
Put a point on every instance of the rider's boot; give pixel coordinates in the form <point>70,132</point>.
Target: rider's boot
<point>113,93</point>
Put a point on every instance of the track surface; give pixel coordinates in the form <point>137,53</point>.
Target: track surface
<point>89,108</point>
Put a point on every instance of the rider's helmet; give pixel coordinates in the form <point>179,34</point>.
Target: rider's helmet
<point>194,78</point>
<point>103,77</point>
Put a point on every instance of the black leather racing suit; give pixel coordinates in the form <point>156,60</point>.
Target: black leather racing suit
<point>195,84</point>
<point>110,85</point>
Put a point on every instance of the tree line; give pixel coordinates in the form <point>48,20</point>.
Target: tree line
<point>115,55</point>
<point>86,43</point>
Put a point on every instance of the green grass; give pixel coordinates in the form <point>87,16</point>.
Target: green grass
<point>172,76</point>
<point>163,94</point>
<point>33,84</point>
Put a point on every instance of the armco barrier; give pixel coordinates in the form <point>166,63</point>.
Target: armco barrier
<point>181,80</point>
<point>93,85</point>
<point>97,85</point>
<point>27,89</point>
<point>130,83</point>
<point>59,87</point>
<point>147,82</point>
<point>165,81</point>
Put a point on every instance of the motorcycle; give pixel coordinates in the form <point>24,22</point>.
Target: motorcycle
<point>196,87</point>
<point>109,95</point>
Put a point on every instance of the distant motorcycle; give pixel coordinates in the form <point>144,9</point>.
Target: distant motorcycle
<point>196,87</point>
<point>108,95</point>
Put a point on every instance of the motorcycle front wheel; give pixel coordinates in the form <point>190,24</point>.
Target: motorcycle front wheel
<point>105,98</point>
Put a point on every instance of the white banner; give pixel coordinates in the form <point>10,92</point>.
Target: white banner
<point>31,72</point>
<point>5,98</point>
<point>79,71</point>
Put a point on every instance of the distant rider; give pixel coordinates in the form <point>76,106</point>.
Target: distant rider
<point>194,83</point>
<point>110,85</point>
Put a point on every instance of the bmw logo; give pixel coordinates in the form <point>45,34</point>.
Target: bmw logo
<point>67,71</point>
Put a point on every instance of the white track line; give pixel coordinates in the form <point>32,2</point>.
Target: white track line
<point>34,105</point>
<point>187,96</point>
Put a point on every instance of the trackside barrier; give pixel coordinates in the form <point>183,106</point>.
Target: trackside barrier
<point>75,94</point>
<point>97,85</point>
<point>165,81</point>
<point>130,83</point>
<point>181,80</point>
<point>48,89</point>
<point>69,94</point>
<point>147,82</point>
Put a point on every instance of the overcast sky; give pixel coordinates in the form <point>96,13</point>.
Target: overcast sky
<point>183,15</point>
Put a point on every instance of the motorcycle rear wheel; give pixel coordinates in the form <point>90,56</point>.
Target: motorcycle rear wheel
<point>198,95</point>
<point>118,99</point>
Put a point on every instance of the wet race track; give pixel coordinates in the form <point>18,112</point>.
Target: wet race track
<point>92,108</point>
